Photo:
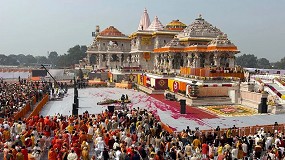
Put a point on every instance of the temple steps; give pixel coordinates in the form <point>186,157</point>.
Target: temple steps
<point>211,101</point>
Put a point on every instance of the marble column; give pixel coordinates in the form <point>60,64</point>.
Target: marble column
<point>156,61</point>
<point>120,59</point>
<point>231,60</point>
<point>88,58</point>
<point>197,60</point>
<point>138,59</point>
<point>161,61</point>
<point>164,60</point>
<point>184,60</point>
<point>217,59</point>
<point>100,58</point>
<point>189,60</point>
<point>108,59</point>
<point>170,59</point>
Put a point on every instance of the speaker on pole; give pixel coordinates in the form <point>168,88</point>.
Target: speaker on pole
<point>74,109</point>
<point>262,107</point>
<point>182,106</point>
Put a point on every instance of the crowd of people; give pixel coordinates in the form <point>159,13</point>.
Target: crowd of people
<point>127,134</point>
<point>14,96</point>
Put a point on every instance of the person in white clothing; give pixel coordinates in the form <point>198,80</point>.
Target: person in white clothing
<point>72,155</point>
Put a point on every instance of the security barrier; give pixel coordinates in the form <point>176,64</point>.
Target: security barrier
<point>39,107</point>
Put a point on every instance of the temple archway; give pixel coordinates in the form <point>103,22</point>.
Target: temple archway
<point>93,59</point>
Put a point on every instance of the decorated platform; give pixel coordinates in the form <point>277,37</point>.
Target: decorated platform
<point>230,110</point>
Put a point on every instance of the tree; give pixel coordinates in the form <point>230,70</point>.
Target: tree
<point>263,63</point>
<point>53,57</point>
<point>280,64</point>
<point>6,60</point>
<point>247,60</point>
<point>42,59</point>
<point>75,54</point>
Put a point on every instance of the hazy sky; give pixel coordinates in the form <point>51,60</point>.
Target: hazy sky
<point>38,26</point>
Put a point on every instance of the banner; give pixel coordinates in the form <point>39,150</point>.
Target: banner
<point>161,84</point>
<point>175,86</point>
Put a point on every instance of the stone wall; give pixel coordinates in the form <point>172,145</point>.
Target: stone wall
<point>213,91</point>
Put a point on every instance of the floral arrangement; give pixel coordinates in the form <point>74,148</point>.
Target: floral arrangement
<point>230,110</point>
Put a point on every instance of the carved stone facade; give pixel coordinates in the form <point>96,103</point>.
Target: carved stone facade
<point>163,49</point>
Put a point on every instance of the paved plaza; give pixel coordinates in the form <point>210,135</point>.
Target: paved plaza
<point>167,111</point>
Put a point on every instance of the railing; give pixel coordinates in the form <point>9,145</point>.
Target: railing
<point>239,131</point>
<point>26,109</point>
<point>39,107</point>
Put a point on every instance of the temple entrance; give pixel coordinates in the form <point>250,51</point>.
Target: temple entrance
<point>93,59</point>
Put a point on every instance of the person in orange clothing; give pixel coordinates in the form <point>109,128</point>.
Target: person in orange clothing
<point>52,154</point>
<point>6,134</point>
<point>83,137</point>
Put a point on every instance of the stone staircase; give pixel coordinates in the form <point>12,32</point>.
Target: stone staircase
<point>211,101</point>
<point>278,109</point>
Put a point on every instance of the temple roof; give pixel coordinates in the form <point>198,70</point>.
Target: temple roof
<point>155,25</point>
<point>111,32</point>
<point>144,22</point>
<point>175,25</point>
<point>200,28</point>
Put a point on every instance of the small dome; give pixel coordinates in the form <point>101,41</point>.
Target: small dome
<point>112,32</point>
<point>175,25</point>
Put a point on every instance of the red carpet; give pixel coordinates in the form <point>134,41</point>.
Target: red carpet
<point>191,112</point>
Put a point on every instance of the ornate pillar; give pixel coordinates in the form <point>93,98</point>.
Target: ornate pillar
<point>138,59</point>
<point>196,61</point>
<point>161,60</point>
<point>156,61</point>
<point>99,60</point>
<point>108,59</point>
<point>189,60</point>
<point>217,59</point>
<point>164,60</point>
<point>170,59</point>
<point>120,59</point>
<point>184,60</point>
<point>88,58</point>
<point>231,60</point>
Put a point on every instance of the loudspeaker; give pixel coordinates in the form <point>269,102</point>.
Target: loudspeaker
<point>111,108</point>
<point>262,107</point>
<point>76,101</point>
<point>182,106</point>
<point>74,109</point>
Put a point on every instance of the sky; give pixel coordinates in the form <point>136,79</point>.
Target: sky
<point>37,27</point>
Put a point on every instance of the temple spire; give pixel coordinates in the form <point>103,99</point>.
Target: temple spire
<point>155,25</point>
<point>144,22</point>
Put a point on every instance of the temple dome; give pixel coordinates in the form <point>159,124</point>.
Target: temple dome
<point>175,25</point>
<point>200,28</point>
<point>155,25</point>
<point>111,32</point>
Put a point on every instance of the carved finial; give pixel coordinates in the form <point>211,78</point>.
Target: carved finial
<point>145,10</point>
<point>200,16</point>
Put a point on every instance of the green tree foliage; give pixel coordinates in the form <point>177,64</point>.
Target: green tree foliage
<point>53,57</point>
<point>6,60</point>
<point>263,63</point>
<point>280,64</point>
<point>42,60</point>
<point>75,54</point>
<point>247,61</point>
